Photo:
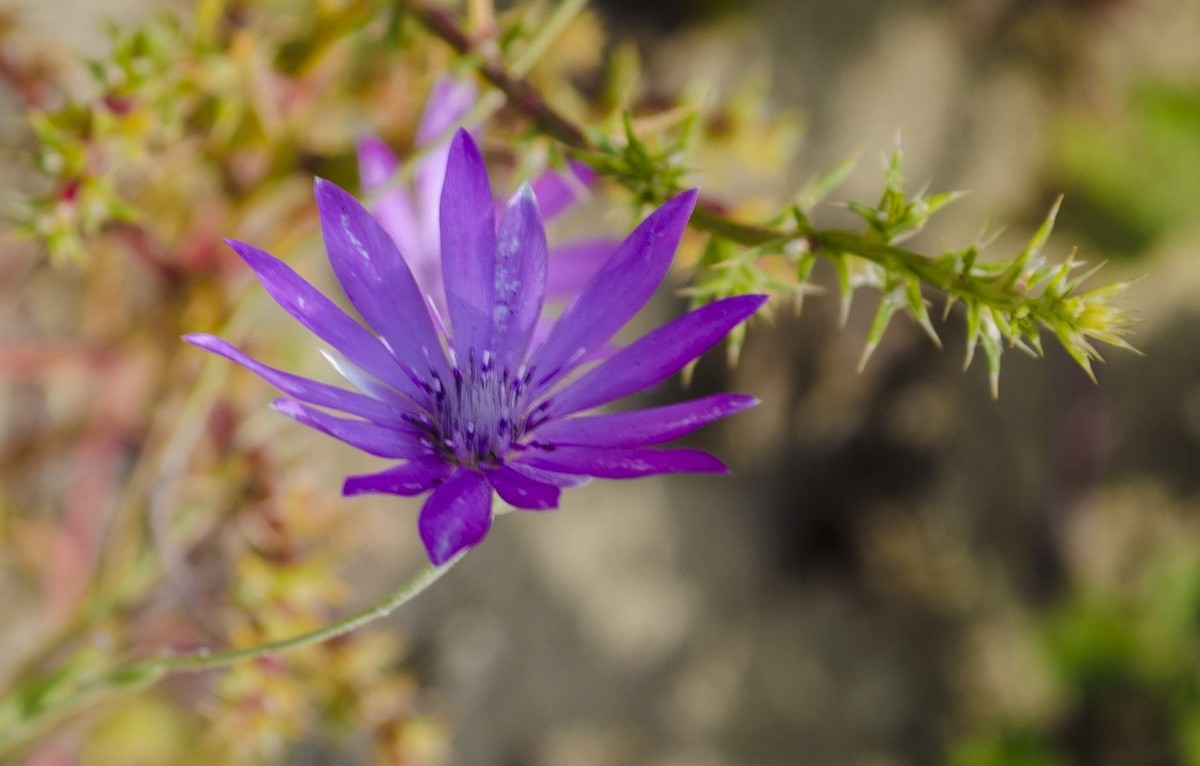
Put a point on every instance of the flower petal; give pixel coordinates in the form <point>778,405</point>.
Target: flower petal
<point>617,291</point>
<point>468,247</point>
<point>356,376</point>
<point>448,102</point>
<point>456,516</point>
<point>520,491</point>
<point>557,191</point>
<point>655,356</point>
<point>574,263</point>
<point>413,478</point>
<point>393,208</point>
<point>553,478</point>
<point>322,318</point>
<point>623,463</point>
<point>642,427</point>
<point>372,438</point>
<point>520,280</point>
<point>304,389</point>
<point>376,279</point>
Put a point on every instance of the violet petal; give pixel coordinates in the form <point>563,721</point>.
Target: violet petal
<point>372,438</point>
<point>413,478</point>
<point>618,291</point>
<point>448,102</point>
<point>573,264</point>
<point>356,376</point>
<point>557,191</point>
<point>322,318</point>
<point>643,427</point>
<point>520,280</point>
<point>520,491</point>
<point>304,389</point>
<point>655,356</point>
<point>456,516</point>
<point>468,246</point>
<point>393,207</point>
<point>553,478</point>
<point>626,463</point>
<point>376,279</point>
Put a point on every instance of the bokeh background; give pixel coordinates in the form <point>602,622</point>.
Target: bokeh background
<point>901,569</point>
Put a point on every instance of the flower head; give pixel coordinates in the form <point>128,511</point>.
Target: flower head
<point>476,406</point>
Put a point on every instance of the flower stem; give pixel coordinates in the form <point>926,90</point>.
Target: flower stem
<point>24,720</point>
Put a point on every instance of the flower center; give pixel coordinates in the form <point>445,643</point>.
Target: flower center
<point>479,413</point>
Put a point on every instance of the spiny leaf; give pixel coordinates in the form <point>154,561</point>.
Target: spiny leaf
<point>841,264</point>
<point>815,190</point>
<point>916,306</point>
<point>888,304</point>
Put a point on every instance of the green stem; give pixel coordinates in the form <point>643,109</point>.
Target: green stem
<point>206,661</point>
<point>142,674</point>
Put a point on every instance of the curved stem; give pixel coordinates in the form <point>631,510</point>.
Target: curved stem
<point>202,660</point>
<point>23,725</point>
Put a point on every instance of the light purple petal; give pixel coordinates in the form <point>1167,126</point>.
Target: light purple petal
<point>623,463</point>
<point>377,280</point>
<point>449,101</point>
<point>468,247</point>
<point>413,478</point>
<point>323,319</point>
<point>643,427</point>
<point>553,478</point>
<point>655,356</point>
<point>356,376</point>
<point>304,389</point>
<point>394,210</point>
<point>557,192</point>
<point>573,264</point>
<point>429,175</point>
<point>456,516</point>
<point>520,491</point>
<point>372,438</point>
<point>616,293</point>
<point>520,281</point>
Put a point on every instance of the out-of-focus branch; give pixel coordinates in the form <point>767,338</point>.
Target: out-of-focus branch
<point>1007,302</point>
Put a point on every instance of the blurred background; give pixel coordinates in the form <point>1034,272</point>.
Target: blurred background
<point>901,569</point>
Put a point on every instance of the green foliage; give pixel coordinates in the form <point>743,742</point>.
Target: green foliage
<point>1134,171</point>
<point>651,174</point>
<point>1006,748</point>
<point>1008,303</point>
<point>87,146</point>
<point>1123,649</point>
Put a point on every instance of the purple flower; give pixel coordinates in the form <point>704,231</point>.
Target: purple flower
<point>477,407</point>
<point>410,213</point>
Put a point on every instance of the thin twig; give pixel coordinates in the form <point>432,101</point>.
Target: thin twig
<point>142,674</point>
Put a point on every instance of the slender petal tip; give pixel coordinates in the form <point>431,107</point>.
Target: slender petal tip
<point>525,194</point>
<point>198,339</point>
<point>289,407</point>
